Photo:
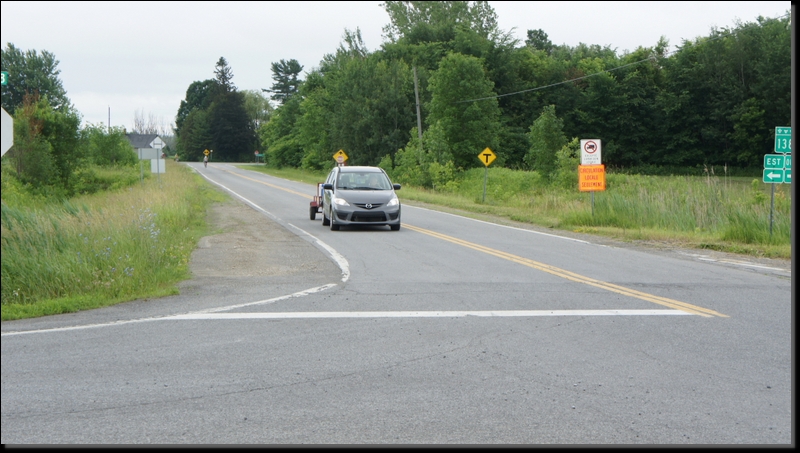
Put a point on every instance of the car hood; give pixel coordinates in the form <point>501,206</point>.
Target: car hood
<point>366,196</point>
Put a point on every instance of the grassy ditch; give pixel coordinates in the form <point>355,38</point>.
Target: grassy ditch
<point>101,249</point>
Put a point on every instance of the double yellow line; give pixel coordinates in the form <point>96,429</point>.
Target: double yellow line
<point>677,305</point>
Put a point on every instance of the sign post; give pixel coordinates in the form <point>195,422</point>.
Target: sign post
<point>778,167</point>
<point>591,171</point>
<point>487,157</point>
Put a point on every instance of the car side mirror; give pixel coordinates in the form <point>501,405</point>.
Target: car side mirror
<point>327,186</point>
<point>396,186</point>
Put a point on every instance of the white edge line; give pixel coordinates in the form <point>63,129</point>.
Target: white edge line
<point>337,257</point>
<point>200,313</point>
<point>740,263</point>
<point>425,314</point>
<point>511,227</point>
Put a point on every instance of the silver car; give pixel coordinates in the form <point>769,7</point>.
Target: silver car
<point>360,196</point>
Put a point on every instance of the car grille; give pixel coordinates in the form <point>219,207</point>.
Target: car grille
<point>368,217</point>
<point>371,205</point>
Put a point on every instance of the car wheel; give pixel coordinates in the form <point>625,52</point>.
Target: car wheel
<point>312,212</point>
<point>395,227</point>
<point>325,220</point>
<point>334,226</point>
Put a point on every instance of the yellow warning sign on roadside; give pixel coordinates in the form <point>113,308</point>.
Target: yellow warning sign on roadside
<point>340,156</point>
<point>487,156</point>
<point>205,152</point>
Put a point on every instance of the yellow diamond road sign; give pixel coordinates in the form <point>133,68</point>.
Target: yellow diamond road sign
<point>205,152</point>
<point>487,156</point>
<point>340,156</point>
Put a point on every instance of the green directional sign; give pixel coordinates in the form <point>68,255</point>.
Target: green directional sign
<point>787,163</point>
<point>774,176</point>
<point>783,139</point>
<point>787,176</point>
<point>774,161</point>
<point>4,79</point>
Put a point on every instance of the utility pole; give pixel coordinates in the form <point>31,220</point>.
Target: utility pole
<point>419,117</point>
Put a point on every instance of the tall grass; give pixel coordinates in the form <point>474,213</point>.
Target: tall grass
<point>711,211</point>
<point>99,249</point>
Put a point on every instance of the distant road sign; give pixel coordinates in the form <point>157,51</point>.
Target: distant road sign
<point>487,156</point>
<point>4,78</point>
<point>783,139</point>
<point>205,152</point>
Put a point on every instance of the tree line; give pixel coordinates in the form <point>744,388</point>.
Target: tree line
<point>445,84</point>
<point>713,101</point>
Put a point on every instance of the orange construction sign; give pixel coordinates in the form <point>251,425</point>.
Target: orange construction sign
<point>591,178</point>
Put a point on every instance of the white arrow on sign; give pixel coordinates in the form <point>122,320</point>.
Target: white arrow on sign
<point>772,175</point>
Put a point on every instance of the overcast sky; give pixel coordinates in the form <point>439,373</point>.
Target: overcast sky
<point>142,56</point>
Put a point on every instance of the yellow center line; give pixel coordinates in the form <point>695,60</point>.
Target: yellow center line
<point>683,306</point>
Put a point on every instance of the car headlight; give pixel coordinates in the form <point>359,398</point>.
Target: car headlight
<point>393,202</point>
<point>340,202</point>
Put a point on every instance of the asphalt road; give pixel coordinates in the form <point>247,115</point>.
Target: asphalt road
<point>449,331</point>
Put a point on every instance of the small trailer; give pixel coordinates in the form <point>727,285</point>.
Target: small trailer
<point>316,203</point>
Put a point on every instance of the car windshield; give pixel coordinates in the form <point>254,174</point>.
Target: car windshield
<point>363,181</point>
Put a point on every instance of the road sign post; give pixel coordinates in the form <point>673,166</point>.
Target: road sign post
<point>487,157</point>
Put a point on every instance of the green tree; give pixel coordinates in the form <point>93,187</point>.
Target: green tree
<point>425,18</point>
<point>258,108</point>
<point>195,135</point>
<point>224,75</point>
<point>464,105</point>
<point>285,74</point>
<point>34,73</point>
<point>46,147</point>
<point>547,138</point>
<point>538,39</point>
<point>232,134</point>
<point>198,96</point>
<point>105,147</point>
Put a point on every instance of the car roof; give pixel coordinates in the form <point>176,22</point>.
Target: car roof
<point>360,169</point>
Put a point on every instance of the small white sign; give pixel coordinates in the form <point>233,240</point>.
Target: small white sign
<point>590,151</point>
<point>158,166</point>
<point>7,132</point>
